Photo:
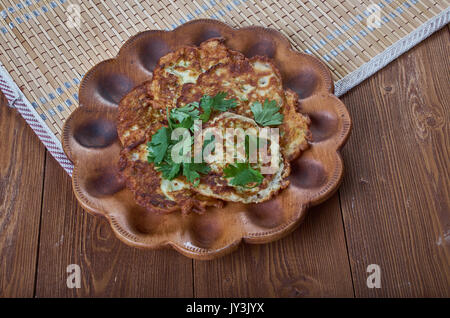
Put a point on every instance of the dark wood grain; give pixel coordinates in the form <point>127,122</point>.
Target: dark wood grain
<point>109,268</point>
<point>395,197</point>
<point>21,171</point>
<point>310,262</point>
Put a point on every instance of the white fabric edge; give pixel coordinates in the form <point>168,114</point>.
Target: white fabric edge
<point>16,99</point>
<point>391,53</point>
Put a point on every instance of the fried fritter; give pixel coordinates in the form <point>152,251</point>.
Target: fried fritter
<point>155,193</point>
<point>216,185</point>
<point>143,111</point>
<point>249,81</point>
<point>184,66</point>
<point>182,77</point>
<point>139,116</point>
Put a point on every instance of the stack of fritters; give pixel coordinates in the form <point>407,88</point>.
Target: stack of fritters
<point>182,77</point>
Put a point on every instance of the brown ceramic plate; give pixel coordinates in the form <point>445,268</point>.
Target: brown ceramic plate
<point>90,141</point>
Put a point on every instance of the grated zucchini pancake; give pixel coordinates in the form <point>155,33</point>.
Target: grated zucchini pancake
<point>253,80</point>
<point>215,185</point>
<point>224,90</point>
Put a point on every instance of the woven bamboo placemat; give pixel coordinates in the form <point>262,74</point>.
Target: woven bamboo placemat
<point>45,49</point>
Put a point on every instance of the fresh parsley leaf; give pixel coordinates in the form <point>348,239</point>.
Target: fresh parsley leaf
<point>243,175</point>
<point>218,102</point>
<point>157,147</point>
<point>169,170</point>
<point>268,115</point>
<point>206,103</point>
<point>222,104</point>
<point>185,112</point>
<point>161,145</point>
<point>185,116</point>
<point>191,171</point>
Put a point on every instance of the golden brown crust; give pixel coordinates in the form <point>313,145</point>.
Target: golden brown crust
<point>145,183</point>
<point>297,135</point>
<point>138,116</point>
<point>166,87</point>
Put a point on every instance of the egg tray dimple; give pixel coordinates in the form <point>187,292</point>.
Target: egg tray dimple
<point>90,141</point>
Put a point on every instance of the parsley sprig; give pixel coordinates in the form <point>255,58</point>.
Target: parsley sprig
<point>183,117</point>
<point>218,103</point>
<point>161,144</point>
<point>267,115</point>
<point>243,174</point>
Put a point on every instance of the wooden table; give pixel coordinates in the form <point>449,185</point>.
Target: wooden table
<point>392,210</point>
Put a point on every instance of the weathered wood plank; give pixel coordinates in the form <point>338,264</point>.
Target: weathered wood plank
<point>395,197</point>
<point>109,268</point>
<point>21,173</point>
<point>310,262</point>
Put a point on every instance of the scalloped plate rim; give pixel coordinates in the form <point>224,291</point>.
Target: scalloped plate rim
<point>271,235</point>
